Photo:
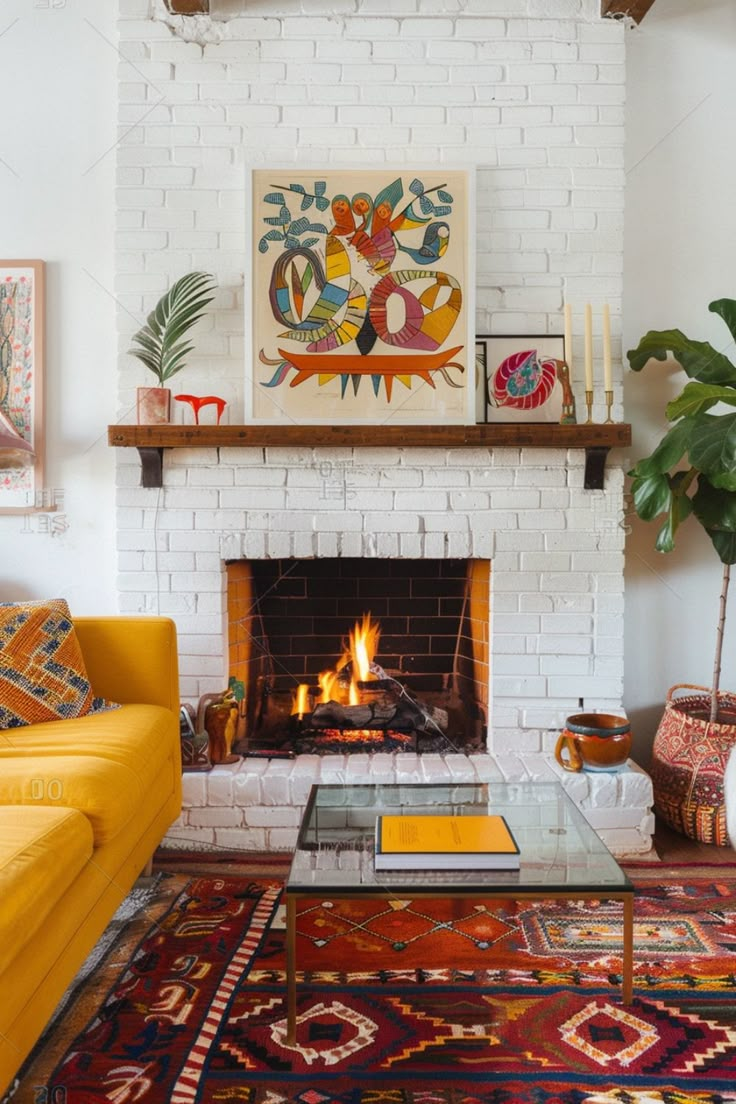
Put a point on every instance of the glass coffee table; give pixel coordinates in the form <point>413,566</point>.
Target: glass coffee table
<point>561,855</point>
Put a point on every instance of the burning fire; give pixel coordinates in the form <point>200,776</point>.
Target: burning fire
<point>301,700</point>
<point>349,736</point>
<point>363,646</point>
<point>358,657</point>
<point>327,680</point>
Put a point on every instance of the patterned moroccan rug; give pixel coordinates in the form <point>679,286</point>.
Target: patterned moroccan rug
<point>402,1002</point>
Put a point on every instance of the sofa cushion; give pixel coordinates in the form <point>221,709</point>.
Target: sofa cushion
<point>42,672</point>
<point>139,736</point>
<point>42,851</point>
<point>106,792</point>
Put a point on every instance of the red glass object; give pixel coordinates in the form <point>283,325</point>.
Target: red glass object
<point>198,401</point>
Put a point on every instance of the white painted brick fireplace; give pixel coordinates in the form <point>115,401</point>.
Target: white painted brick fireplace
<point>532,92</point>
<point>556,584</point>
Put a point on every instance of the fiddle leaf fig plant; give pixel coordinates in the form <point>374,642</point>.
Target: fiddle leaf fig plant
<point>159,343</point>
<point>692,471</point>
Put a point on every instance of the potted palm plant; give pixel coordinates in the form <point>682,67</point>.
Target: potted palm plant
<point>692,473</point>
<point>161,345</point>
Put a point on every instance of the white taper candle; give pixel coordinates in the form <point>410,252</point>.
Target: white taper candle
<point>588,347</point>
<point>568,339</point>
<point>607,376</point>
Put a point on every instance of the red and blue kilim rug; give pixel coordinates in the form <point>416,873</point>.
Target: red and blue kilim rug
<point>430,1002</point>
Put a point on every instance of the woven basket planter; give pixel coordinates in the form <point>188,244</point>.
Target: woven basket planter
<point>688,763</point>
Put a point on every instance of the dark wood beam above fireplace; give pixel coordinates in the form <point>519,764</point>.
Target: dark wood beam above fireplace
<point>637,9</point>
<point>188,7</point>
<point>151,440</point>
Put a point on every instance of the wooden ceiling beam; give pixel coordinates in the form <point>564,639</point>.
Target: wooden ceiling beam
<point>637,9</point>
<point>188,7</point>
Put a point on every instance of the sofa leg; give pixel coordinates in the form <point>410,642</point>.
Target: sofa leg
<point>148,868</point>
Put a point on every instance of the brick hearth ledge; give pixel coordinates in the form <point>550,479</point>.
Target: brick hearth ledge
<point>257,804</point>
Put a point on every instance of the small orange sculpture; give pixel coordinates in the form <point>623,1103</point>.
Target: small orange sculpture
<point>217,717</point>
<point>198,401</point>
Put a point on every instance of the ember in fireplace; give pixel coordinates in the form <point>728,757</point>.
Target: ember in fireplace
<point>415,677</point>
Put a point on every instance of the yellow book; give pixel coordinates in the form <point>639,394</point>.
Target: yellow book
<point>445,843</point>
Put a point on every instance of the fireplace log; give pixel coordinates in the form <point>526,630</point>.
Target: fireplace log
<point>333,715</point>
<point>440,717</point>
<point>405,715</point>
<point>373,687</point>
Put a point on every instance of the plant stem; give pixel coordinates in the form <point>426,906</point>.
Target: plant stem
<point>687,480</point>
<point>719,644</point>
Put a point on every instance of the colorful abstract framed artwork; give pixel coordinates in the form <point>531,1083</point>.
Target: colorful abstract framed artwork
<point>21,384</point>
<point>360,296</point>
<point>522,379</point>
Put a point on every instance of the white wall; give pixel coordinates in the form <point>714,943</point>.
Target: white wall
<point>680,230</point>
<point>58,60</point>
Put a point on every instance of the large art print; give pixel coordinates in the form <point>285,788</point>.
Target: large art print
<point>21,376</point>
<point>361,296</point>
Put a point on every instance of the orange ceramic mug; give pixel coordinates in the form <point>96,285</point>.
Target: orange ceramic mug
<point>594,742</point>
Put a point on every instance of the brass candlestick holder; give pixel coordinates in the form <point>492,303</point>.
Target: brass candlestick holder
<point>589,405</point>
<point>568,416</point>
<point>609,404</point>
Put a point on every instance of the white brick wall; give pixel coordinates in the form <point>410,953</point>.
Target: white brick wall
<point>530,91</point>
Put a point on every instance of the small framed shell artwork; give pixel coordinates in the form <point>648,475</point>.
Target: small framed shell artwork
<point>522,379</point>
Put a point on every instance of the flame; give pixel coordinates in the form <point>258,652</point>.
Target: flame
<point>327,680</point>
<point>358,654</point>
<point>300,704</point>
<point>363,646</point>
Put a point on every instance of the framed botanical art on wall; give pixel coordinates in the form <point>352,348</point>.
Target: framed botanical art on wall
<point>21,380</point>
<point>359,296</point>
<point>522,379</point>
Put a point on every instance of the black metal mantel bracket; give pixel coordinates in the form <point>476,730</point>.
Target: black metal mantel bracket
<point>152,466</point>
<point>595,467</point>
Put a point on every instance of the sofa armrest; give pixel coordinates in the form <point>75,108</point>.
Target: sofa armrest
<point>131,660</point>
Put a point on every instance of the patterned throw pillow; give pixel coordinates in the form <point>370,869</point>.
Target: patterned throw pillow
<point>42,672</point>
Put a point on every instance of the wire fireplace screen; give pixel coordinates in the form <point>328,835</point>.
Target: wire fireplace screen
<point>352,654</point>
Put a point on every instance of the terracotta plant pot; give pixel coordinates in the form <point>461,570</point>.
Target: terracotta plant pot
<point>688,765</point>
<point>594,742</point>
<point>153,405</point>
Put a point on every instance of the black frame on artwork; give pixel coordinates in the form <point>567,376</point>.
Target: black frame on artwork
<point>482,381</point>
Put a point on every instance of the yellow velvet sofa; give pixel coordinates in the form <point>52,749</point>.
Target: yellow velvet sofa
<point>83,805</point>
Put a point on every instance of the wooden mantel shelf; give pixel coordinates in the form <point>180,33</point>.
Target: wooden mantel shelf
<point>530,435</point>
<point>152,440</point>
